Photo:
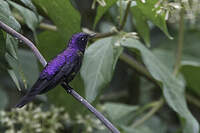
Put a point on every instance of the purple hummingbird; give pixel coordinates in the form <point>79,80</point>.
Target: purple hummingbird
<point>62,68</point>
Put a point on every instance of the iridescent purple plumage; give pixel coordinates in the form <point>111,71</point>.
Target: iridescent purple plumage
<point>62,68</point>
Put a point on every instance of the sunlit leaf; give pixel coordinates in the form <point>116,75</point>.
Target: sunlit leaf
<point>173,89</point>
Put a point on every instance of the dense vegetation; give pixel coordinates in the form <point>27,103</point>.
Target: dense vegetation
<point>142,72</point>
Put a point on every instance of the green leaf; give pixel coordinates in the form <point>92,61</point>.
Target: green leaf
<point>3,99</point>
<point>173,89</point>
<point>29,17</point>
<point>3,62</point>
<point>6,16</point>
<point>29,4</point>
<point>150,12</point>
<point>120,113</point>
<point>142,129</point>
<point>101,10</point>
<point>97,67</point>
<point>11,46</point>
<point>63,14</point>
<point>14,78</point>
<point>141,24</point>
<point>29,65</point>
<point>191,72</point>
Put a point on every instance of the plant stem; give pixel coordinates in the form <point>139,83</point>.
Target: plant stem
<point>105,121</point>
<point>12,32</point>
<point>103,35</point>
<point>72,92</point>
<point>138,67</point>
<point>193,100</point>
<point>180,42</point>
<point>156,107</point>
<point>121,26</point>
<point>41,25</point>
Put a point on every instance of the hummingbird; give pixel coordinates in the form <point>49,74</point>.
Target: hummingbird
<point>61,68</point>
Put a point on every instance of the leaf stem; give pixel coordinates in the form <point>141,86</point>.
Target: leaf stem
<point>72,92</point>
<point>41,25</point>
<point>156,107</point>
<point>180,42</point>
<point>121,26</point>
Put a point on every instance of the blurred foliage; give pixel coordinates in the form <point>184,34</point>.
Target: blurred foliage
<point>129,76</point>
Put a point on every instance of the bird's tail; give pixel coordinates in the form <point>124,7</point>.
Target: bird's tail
<point>26,99</point>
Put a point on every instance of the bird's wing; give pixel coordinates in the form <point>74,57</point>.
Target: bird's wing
<point>47,82</point>
<point>44,83</point>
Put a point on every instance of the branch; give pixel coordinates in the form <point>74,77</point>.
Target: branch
<point>121,26</point>
<point>12,32</point>
<point>72,92</point>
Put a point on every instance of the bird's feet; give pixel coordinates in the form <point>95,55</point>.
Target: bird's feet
<point>67,87</point>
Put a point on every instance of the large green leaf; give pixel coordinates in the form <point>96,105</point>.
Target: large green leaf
<point>101,10</point>
<point>191,72</point>
<point>97,67</point>
<point>150,12</point>
<point>173,89</point>
<point>29,17</point>
<point>141,24</point>
<point>6,16</point>
<point>63,14</point>
<point>120,113</point>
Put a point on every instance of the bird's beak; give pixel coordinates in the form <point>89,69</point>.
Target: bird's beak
<point>91,36</point>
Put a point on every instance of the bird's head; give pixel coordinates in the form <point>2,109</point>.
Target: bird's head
<point>79,41</point>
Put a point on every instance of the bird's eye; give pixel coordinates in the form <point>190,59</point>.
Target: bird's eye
<point>82,39</point>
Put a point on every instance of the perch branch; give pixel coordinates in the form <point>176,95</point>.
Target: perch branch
<point>12,32</point>
<point>72,92</point>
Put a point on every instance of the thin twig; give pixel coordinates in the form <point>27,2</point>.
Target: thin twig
<point>195,101</point>
<point>12,32</point>
<point>103,35</point>
<point>105,121</point>
<point>121,26</point>
<point>157,106</point>
<point>72,92</point>
<point>138,67</point>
